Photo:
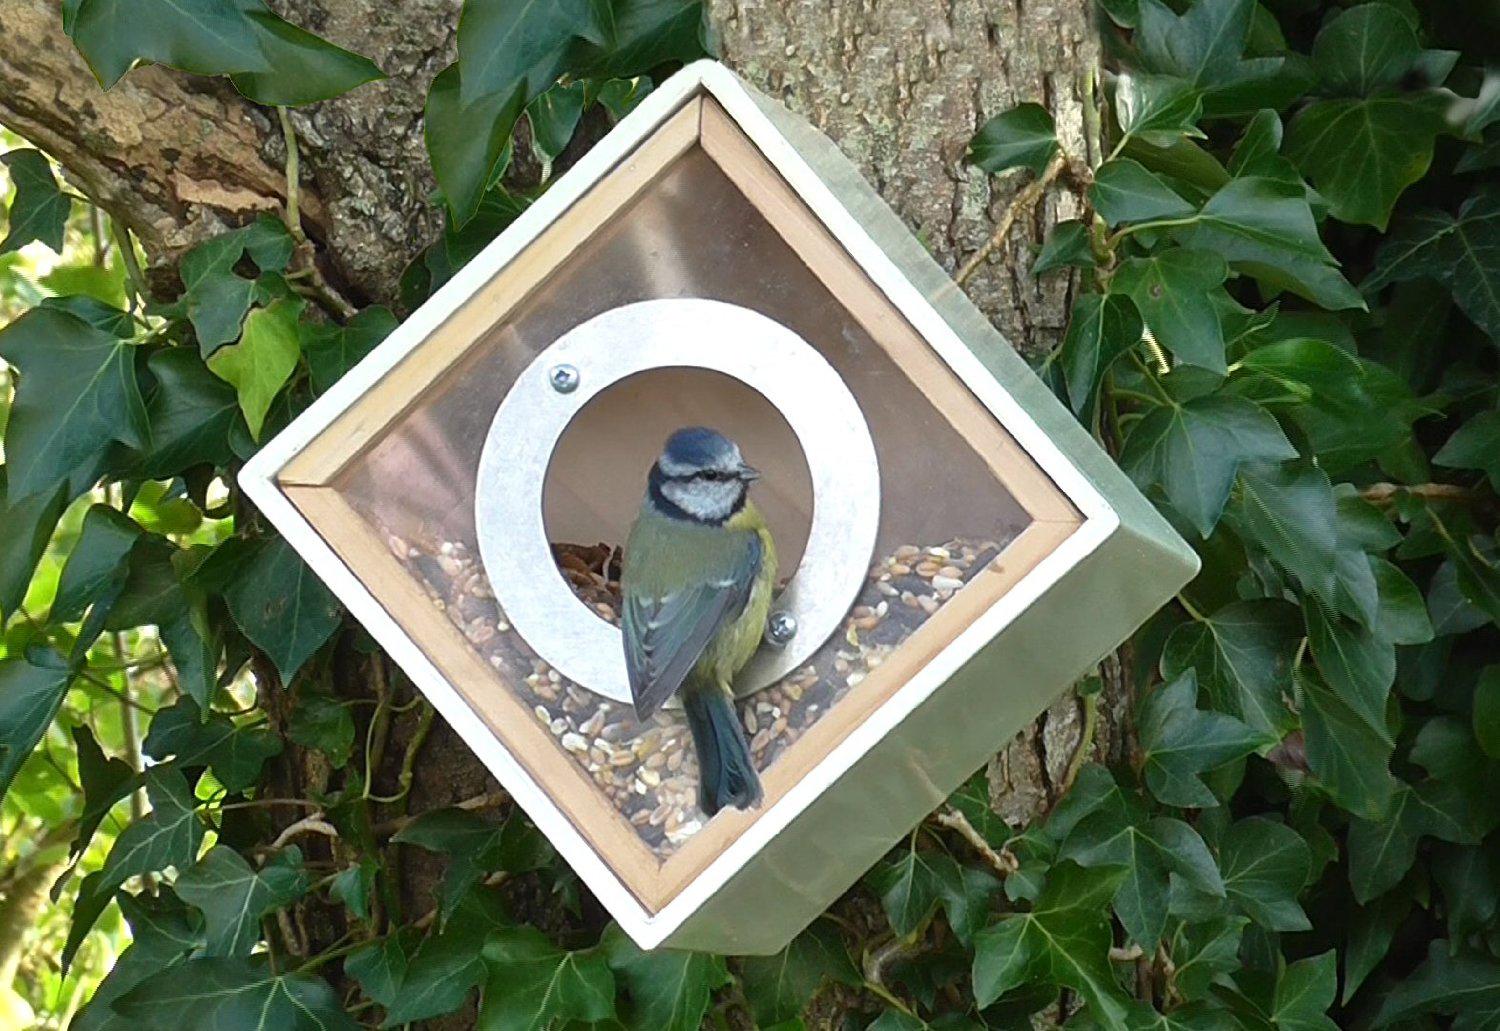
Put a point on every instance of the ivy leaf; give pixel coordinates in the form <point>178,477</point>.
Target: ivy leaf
<point>1465,985</point>
<point>217,994</point>
<point>1486,716</point>
<point>1347,753</point>
<point>532,983</point>
<point>168,836</point>
<point>96,567</point>
<point>1356,664</point>
<point>1205,46</point>
<point>1173,289</point>
<point>1023,137</point>
<point>1476,445</point>
<point>1194,449</point>
<point>917,881</point>
<point>263,360</point>
<point>1305,992</point>
<point>77,395</point>
<point>1288,512</point>
<point>1363,154</point>
<point>1402,617</point>
<point>216,297</point>
<point>1352,410</point>
<point>39,210</point>
<point>28,523</point>
<point>464,161</point>
<point>334,350</point>
<point>1460,251</point>
<point>554,117</point>
<point>233,896</point>
<point>30,694</point>
<point>474,846</point>
<point>1179,742</point>
<point>1266,865</point>
<point>1065,938</point>
<point>163,933</point>
<point>1202,952</point>
<point>1124,191</point>
<point>236,752</point>
<point>1374,928</point>
<point>779,987</point>
<point>192,414</point>
<point>670,989</point>
<point>1118,832</point>
<point>1265,229</point>
<point>284,609</point>
<point>506,46</point>
<point>355,885</point>
<point>325,724</point>
<point>1102,328</point>
<point>1382,851</point>
<point>1242,656</point>
<point>104,780</point>
<point>1365,50</point>
<point>1157,109</point>
<point>1067,244</point>
<point>270,61</point>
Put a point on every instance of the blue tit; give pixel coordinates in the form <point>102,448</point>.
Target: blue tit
<point>699,569</point>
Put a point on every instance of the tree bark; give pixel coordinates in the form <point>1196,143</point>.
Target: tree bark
<point>901,85</point>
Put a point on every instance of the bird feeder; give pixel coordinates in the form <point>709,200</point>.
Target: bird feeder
<point>955,548</point>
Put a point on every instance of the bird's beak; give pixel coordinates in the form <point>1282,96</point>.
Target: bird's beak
<point>749,473</point>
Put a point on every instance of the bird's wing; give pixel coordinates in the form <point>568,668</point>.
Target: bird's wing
<point>666,632</point>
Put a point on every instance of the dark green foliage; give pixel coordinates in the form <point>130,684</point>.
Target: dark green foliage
<point>1300,830</point>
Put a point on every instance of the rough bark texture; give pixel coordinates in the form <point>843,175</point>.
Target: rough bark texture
<point>901,85</point>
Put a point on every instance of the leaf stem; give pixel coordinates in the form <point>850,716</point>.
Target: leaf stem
<point>293,176</point>
<point>1019,204</point>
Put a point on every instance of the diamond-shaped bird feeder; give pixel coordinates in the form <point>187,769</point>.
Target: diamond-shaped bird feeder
<point>956,549</point>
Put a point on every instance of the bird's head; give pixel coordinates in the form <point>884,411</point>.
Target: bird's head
<point>700,477</point>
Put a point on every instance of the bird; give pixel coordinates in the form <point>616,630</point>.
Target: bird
<point>697,576</point>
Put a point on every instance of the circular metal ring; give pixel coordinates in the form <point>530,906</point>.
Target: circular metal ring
<point>661,334</point>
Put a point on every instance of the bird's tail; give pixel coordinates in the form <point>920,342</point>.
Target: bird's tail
<point>726,773</point>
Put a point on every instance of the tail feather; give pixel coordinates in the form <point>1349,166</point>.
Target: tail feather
<point>726,772</point>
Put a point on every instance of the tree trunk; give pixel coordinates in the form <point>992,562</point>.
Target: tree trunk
<point>901,85</point>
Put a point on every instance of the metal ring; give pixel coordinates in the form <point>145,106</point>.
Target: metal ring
<point>661,334</point>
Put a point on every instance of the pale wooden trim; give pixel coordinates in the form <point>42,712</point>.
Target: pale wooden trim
<point>360,426</point>
<point>306,479</point>
<point>738,158</point>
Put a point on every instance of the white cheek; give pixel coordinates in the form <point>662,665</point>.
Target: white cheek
<point>708,501</point>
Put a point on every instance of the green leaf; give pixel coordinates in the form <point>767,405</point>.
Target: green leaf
<point>168,836</point>
<point>28,524</point>
<point>1179,742</point>
<point>1476,445</point>
<point>1205,47</point>
<point>264,359</point>
<point>1374,928</point>
<point>1065,938</point>
<point>1194,449</point>
<point>355,885</point>
<point>1305,992</point>
<point>30,694</point>
<point>77,395</point>
<point>554,116</point>
<point>1100,329</point>
<point>1486,715</point>
<point>325,724</point>
<point>1289,513</point>
<point>39,210</point>
<point>217,299</point>
<point>219,994</point>
<point>473,844</point>
<point>163,933</point>
<point>1174,289</point>
<point>1363,154</point>
<point>503,47</point>
<point>1364,50</point>
<point>235,752</point>
<point>104,780</point>
<point>1157,109</point>
<point>670,990</point>
<point>1347,754</point>
<point>1460,251</point>
<point>1265,865</point>
<point>1264,228</point>
<point>1403,617</point>
<point>1202,952</point>
<point>1356,664</point>
<point>532,983</point>
<point>270,61</point>
<point>334,350</point>
<point>1465,985</point>
<point>1124,191</point>
<point>284,609</point>
<point>1120,833</point>
<point>1242,655</point>
<point>96,567</point>
<point>779,987</point>
<point>192,414</point>
<point>466,141</point>
<point>1023,137</point>
<point>1067,244</point>
<point>233,896</point>
<point>1382,851</point>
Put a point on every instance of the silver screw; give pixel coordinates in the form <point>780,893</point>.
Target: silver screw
<point>564,378</point>
<point>781,627</point>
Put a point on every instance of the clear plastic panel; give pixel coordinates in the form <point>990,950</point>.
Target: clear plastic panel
<point>690,234</point>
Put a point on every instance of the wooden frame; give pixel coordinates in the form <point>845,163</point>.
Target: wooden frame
<point>309,481</point>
